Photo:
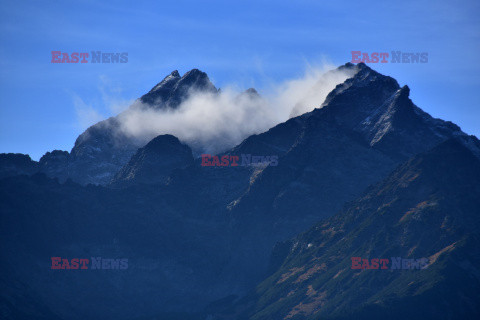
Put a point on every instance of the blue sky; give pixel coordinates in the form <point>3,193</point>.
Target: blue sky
<point>249,43</point>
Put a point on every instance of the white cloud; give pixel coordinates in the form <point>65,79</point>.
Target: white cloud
<point>111,96</point>
<point>212,123</point>
<point>86,114</point>
<point>215,122</point>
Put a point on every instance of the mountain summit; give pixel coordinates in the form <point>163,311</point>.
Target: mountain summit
<point>154,162</point>
<point>172,90</point>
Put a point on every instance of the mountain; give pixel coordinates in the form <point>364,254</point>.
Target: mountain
<point>429,207</point>
<point>365,128</point>
<point>154,162</point>
<point>104,148</point>
<point>325,158</point>
<point>196,235</point>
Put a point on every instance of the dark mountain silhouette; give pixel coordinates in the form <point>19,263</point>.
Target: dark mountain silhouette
<point>175,244</point>
<point>12,164</point>
<point>155,162</point>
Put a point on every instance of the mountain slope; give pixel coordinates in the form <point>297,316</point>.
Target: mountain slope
<point>428,207</point>
<point>175,251</point>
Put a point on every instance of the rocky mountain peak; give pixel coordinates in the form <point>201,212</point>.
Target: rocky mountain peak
<point>196,80</point>
<point>252,92</point>
<point>165,143</point>
<point>174,89</point>
<point>168,82</point>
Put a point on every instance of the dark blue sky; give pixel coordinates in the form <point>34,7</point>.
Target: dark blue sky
<point>44,106</point>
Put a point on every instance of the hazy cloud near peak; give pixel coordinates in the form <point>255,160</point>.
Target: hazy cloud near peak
<point>86,114</point>
<point>215,122</point>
